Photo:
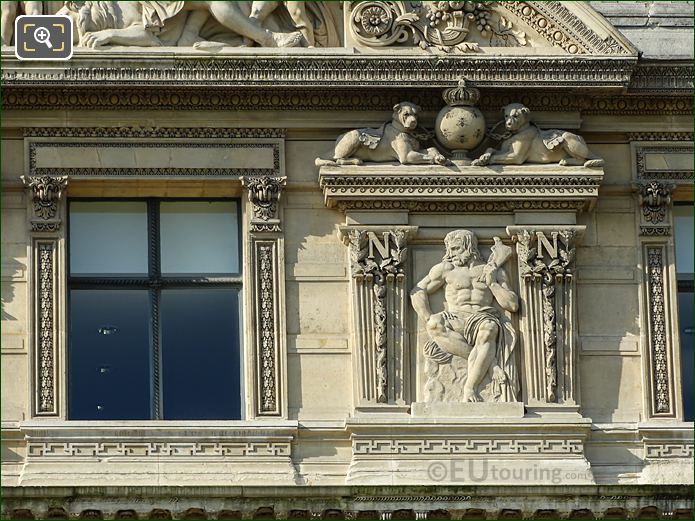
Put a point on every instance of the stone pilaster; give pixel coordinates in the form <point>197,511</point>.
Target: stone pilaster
<point>378,261</point>
<point>266,295</point>
<point>547,281</point>
<point>47,296</point>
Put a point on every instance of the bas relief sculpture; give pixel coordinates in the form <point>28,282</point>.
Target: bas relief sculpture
<point>470,353</point>
<point>206,24</point>
<point>524,142</point>
<point>397,140</point>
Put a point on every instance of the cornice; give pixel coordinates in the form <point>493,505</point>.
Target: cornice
<point>434,188</point>
<point>324,99</point>
<point>313,70</point>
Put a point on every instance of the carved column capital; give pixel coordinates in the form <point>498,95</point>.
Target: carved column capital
<point>46,194</point>
<point>376,250</point>
<point>264,195</point>
<point>654,200</point>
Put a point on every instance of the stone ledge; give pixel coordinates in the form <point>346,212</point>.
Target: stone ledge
<point>308,67</point>
<point>136,453</point>
<point>459,188</point>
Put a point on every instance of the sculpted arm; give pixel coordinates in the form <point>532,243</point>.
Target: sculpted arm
<point>135,35</point>
<point>503,293</point>
<point>419,296</point>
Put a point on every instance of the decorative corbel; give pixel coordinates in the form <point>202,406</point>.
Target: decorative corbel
<point>654,200</point>
<point>46,194</point>
<point>264,194</point>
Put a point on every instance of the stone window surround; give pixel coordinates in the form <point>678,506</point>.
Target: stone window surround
<point>263,336</point>
<point>657,182</point>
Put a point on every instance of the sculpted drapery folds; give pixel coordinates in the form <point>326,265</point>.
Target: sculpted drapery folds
<point>473,326</point>
<point>203,24</point>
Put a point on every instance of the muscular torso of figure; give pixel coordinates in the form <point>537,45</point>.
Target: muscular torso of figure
<point>463,291</point>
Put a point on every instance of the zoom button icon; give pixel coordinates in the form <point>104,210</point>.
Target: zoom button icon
<point>45,37</point>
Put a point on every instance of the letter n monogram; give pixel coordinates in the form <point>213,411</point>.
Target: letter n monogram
<point>383,249</point>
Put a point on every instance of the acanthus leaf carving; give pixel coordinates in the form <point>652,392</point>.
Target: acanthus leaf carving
<point>46,194</point>
<point>446,26</point>
<point>264,195</point>
<point>655,200</point>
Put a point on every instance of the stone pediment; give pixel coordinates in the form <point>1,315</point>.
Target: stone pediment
<point>459,188</point>
<point>501,28</point>
<point>523,44</point>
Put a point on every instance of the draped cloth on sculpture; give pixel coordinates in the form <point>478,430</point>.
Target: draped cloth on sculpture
<point>156,13</point>
<point>468,326</point>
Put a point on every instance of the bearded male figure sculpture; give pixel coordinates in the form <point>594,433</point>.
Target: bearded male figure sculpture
<point>472,340</point>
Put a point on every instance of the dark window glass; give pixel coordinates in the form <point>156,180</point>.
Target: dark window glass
<point>683,231</point>
<point>143,344</point>
<point>200,373</point>
<point>110,355</point>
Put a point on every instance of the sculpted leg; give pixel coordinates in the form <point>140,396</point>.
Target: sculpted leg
<point>480,360</point>
<point>297,11</point>
<point>33,8</point>
<point>230,15</point>
<point>9,13</point>
<point>447,339</point>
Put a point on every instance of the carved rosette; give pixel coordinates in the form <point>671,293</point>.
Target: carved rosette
<point>264,195</point>
<point>378,266</point>
<point>446,26</point>
<point>546,269</point>
<point>654,200</point>
<point>47,192</point>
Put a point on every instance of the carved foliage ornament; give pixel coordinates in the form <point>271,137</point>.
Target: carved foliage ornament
<point>264,194</point>
<point>550,267</point>
<point>443,25</point>
<point>654,199</point>
<point>45,319</point>
<point>46,193</point>
<point>266,329</point>
<point>657,319</point>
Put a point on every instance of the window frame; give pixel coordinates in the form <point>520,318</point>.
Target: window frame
<point>154,282</point>
<point>684,284</point>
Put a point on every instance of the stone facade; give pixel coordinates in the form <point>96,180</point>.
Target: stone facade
<point>459,289</point>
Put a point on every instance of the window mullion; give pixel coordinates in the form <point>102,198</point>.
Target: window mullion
<point>155,283</point>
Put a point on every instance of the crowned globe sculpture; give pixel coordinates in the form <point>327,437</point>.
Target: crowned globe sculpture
<point>460,126</point>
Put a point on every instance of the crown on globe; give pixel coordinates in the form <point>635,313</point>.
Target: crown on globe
<point>461,95</point>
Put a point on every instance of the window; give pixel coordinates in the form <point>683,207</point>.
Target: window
<point>154,310</point>
<point>683,232</point>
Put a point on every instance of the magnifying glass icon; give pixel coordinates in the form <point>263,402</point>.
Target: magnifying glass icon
<point>43,35</point>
